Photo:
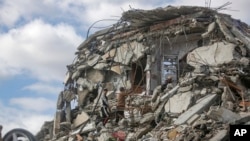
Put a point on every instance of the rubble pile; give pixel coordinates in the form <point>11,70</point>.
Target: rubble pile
<point>203,52</point>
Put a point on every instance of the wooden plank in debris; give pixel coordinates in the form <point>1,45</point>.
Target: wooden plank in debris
<point>196,109</point>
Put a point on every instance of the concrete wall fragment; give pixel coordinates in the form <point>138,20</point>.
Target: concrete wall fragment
<point>179,102</point>
<point>213,55</point>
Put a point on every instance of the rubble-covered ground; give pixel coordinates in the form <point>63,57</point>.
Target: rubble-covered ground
<point>210,92</point>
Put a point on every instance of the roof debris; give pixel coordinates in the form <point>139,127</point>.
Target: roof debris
<point>185,71</point>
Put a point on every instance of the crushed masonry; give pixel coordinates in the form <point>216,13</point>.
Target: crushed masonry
<point>185,71</point>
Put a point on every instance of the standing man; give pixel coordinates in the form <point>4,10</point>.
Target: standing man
<point>105,109</point>
<point>121,97</point>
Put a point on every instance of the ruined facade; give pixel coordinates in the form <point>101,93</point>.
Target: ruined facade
<point>206,54</point>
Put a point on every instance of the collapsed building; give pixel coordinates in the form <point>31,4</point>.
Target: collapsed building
<point>205,52</point>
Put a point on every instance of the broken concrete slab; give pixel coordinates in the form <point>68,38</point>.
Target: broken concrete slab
<point>82,67</point>
<point>93,59</point>
<point>179,102</point>
<point>101,66</point>
<point>193,119</point>
<point>228,35</point>
<point>85,83</point>
<point>75,75</point>
<point>88,127</point>
<point>242,120</point>
<point>222,135</point>
<point>95,76</point>
<point>213,55</point>
<point>223,115</point>
<point>147,118</point>
<point>68,95</point>
<point>170,93</point>
<point>241,36</point>
<point>155,104</point>
<point>57,120</point>
<point>196,109</point>
<point>185,89</point>
<point>80,119</point>
<point>82,97</point>
<point>142,131</point>
<point>156,93</point>
<point>210,28</point>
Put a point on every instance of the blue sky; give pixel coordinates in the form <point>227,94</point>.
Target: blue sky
<point>38,38</point>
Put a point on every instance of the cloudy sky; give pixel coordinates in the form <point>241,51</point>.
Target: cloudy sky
<point>38,38</point>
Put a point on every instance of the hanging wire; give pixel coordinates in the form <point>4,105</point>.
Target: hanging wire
<point>98,22</point>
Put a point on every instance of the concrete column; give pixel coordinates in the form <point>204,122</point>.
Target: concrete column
<point>148,74</point>
<point>57,121</point>
<point>68,112</point>
<point>148,82</point>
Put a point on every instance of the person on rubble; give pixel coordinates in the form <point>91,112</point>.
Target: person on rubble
<point>105,109</point>
<point>167,84</point>
<point>121,97</point>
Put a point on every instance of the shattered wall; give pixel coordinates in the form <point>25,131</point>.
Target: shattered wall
<point>212,78</point>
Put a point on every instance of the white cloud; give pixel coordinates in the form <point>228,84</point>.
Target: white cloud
<point>12,11</point>
<point>84,12</point>
<point>39,104</point>
<point>43,88</point>
<point>39,49</point>
<point>96,10</point>
<point>12,118</point>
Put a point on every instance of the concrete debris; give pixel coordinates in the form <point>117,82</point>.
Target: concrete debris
<point>80,119</point>
<point>192,119</point>
<point>202,105</point>
<point>179,102</point>
<point>213,55</point>
<point>223,115</point>
<point>220,136</point>
<point>178,73</point>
